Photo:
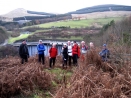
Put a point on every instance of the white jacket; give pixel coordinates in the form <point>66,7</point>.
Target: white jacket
<point>70,50</point>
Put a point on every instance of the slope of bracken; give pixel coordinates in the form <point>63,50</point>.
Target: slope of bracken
<point>91,79</point>
<point>16,78</point>
<point>96,79</point>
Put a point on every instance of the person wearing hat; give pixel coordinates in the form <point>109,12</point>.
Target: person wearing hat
<point>53,53</point>
<point>75,53</point>
<point>65,55</point>
<point>41,49</point>
<point>105,53</point>
<point>23,52</point>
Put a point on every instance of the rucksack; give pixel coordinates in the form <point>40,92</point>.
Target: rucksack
<point>85,48</point>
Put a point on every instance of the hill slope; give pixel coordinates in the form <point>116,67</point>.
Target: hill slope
<point>20,12</point>
<point>102,8</point>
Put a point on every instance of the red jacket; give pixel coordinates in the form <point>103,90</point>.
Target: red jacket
<point>76,50</point>
<point>53,52</point>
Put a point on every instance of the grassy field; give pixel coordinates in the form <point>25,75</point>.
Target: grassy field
<point>22,36</point>
<point>80,23</point>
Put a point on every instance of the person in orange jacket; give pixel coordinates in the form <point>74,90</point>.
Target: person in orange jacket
<point>75,53</point>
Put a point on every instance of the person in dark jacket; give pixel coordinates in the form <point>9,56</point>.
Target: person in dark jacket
<point>105,53</point>
<point>65,55</point>
<point>41,49</point>
<point>53,53</point>
<point>23,52</point>
<point>75,53</point>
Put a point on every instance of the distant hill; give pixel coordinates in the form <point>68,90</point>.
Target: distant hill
<point>20,12</point>
<point>101,8</point>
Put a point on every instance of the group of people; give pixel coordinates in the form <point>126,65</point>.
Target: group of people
<point>71,51</point>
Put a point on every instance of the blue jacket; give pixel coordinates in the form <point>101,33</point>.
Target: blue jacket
<point>40,48</point>
<point>104,54</point>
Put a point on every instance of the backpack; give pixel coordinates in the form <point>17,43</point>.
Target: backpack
<point>85,47</point>
<point>108,53</point>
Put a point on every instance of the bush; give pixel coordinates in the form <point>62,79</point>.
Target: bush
<point>3,34</point>
<point>15,34</point>
<point>8,50</point>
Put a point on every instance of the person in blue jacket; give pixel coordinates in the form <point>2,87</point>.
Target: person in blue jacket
<point>105,53</point>
<point>41,49</point>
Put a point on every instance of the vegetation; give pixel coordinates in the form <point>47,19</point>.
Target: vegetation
<point>8,50</point>
<point>22,36</point>
<point>79,23</point>
<point>82,81</point>
<point>3,34</point>
<point>42,83</point>
<point>61,32</point>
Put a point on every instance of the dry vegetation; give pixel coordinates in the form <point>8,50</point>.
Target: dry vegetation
<point>22,79</point>
<point>63,34</point>
<point>91,79</point>
<point>96,79</point>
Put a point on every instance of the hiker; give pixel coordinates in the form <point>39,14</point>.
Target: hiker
<point>65,55</point>
<point>91,46</point>
<point>104,53</point>
<point>23,52</point>
<point>75,53</point>
<point>41,49</point>
<point>83,50</point>
<point>69,46</point>
<point>53,53</point>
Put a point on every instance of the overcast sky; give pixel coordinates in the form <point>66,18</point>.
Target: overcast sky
<point>55,6</point>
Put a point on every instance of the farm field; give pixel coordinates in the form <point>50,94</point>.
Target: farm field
<point>13,39</point>
<point>78,23</point>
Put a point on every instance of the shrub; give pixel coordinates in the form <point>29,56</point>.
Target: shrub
<point>8,50</point>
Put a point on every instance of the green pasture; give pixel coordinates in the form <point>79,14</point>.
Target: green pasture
<point>22,36</point>
<point>79,23</point>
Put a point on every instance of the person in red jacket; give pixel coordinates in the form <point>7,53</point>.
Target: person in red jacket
<point>75,53</point>
<point>53,53</point>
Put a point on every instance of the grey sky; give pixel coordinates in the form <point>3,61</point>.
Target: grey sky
<point>55,6</point>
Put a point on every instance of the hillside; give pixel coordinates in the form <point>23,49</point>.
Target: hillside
<point>20,12</point>
<point>105,14</point>
<point>102,8</point>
